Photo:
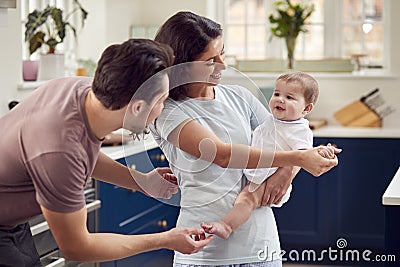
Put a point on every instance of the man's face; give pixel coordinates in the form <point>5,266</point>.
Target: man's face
<point>137,122</point>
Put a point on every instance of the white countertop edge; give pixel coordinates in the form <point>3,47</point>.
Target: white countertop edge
<point>364,74</point>
<point>392,193</point>
<point>130,148</point>
<point>356,132</point>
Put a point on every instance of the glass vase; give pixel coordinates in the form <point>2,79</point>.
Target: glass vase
<point>290,46</point>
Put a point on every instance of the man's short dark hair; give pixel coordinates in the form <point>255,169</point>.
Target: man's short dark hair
<point>123,68</point>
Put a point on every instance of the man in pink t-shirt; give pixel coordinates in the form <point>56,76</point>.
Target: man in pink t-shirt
<point>50,146</point>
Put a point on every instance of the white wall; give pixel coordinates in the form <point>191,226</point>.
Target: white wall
<point>10,58</point>
<point>336,91</point>
<point>109,21</point>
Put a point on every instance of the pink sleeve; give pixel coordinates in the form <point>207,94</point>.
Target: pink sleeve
<point>59,180</point>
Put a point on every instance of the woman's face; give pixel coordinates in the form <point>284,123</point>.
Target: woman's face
<point>213,59</point>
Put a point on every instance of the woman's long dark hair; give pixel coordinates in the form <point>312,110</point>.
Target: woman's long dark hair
<point>189,35</point>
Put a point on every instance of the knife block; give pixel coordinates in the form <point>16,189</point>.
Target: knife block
<point>358,114</point>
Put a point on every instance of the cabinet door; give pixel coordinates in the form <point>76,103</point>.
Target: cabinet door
<point>364,172</point>
<point>131,212</point>
<point>344,203</point>
<point>306,218</point>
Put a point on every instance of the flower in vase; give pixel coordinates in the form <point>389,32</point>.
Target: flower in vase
<point>288,21</point>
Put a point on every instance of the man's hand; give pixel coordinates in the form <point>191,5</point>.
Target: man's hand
<point>186,240</point>
<point>159,183</point>
<point>315,163</point>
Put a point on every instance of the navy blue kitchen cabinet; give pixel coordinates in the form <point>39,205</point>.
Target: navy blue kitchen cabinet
<point>344,204</point>
<point>129,212</point>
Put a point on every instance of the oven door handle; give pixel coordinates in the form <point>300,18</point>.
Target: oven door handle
<point>43,226</point>
<point>39,228</point>
<point>60,262</point>
<point>96,204</point>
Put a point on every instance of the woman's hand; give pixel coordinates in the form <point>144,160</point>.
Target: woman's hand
<point>159,183</point>
<point>276,185</point>
<point>327,151</point>
<point>313,162</point>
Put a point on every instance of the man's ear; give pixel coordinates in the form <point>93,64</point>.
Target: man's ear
<point>137,106</point>
<point>308,108</point>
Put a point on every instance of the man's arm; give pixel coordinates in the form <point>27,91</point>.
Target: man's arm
<point>76,243</point>
<point>111,171</point>
<point>159,183</point>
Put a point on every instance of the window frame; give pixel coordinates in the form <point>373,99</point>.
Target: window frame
<point>333,25</point>
<point>68,46</point>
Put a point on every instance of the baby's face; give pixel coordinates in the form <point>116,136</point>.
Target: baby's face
<point>287,102</point>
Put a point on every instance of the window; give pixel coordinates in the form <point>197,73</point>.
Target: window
<point>362,29</point>
<point>336,29</point>
<point>68,45</point>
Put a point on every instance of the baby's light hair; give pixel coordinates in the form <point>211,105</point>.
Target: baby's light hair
<point>308,83</point>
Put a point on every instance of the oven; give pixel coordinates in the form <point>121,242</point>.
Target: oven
<point>50,255</point>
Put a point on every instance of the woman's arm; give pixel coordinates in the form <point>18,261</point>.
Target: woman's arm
<point>198,141</point>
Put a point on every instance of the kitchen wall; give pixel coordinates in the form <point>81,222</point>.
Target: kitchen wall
<point>10,57</point>
<point>109,21</point>
<point>338,90</point>
<point>112,19</point>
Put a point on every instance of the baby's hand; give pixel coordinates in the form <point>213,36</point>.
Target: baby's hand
<point>328,151</point>
<point>220,229</point>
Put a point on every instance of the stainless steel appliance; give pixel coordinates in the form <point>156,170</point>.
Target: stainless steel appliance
<point>50,255</point>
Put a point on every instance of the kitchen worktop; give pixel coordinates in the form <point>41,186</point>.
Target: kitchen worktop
<point>129,148</point>
<point>356,132</point>
<point>392,193</point>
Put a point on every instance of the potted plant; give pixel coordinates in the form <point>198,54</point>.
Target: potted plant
<point>48,28</point>
<point>288,22</point>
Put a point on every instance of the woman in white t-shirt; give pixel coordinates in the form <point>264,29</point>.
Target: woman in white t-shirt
<point>205,132</point>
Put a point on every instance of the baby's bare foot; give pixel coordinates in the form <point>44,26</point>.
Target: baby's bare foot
<point>220,229</point>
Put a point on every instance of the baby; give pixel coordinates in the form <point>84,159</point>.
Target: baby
<point>294,97</point>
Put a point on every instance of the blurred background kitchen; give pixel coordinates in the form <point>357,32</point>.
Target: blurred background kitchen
<point>351,47</point>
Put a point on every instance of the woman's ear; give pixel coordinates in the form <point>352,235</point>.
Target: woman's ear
<point>309,107</point>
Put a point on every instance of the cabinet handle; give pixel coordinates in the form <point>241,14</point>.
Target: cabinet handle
<point>160,157</point>
<point>133,167</point>
<point>162,223</point>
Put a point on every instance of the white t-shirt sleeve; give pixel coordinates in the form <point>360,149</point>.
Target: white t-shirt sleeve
<point>171,117</point>
<point>299,136</point>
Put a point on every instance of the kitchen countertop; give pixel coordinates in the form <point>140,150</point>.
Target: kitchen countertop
<point>356,132</point>
<point>392,193</point>
<point>130,148</point>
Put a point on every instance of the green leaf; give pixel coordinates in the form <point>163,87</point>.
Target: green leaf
<point>53,21</point>
<point>35,20</point>
<point>36,41</point>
